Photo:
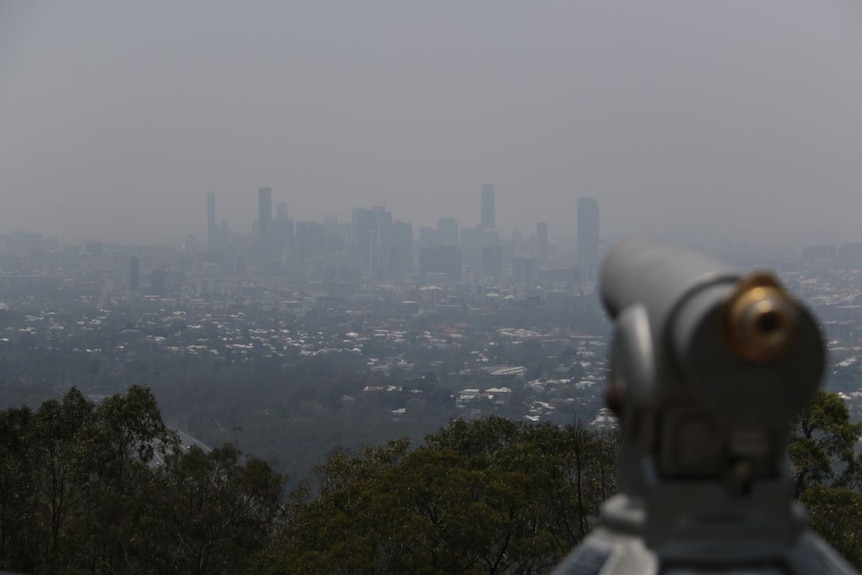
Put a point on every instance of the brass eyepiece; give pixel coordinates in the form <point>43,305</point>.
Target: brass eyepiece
<point>760,318</point>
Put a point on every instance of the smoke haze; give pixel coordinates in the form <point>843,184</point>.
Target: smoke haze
<point>731,119</point>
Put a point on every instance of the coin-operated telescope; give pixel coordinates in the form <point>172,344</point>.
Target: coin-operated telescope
<point>708,368</point>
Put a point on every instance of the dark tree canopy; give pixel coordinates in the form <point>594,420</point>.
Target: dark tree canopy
<point>106,488</point>
<point>488,496</point>
<point>827,473</point>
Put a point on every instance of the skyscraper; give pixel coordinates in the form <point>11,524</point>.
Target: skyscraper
<point>400,248</point>
<point>159,282</point>
<point>588,235</point>
<point>369,238</point>
<point>264,200</point>
<point>212,227</point>
<point>448,228</point>
<point>487,221</point>
<point>543,240</point>
<point>310,239</point>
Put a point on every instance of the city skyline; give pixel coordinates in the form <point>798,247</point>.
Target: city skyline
<point>723,120</point>
<point>260,226</point>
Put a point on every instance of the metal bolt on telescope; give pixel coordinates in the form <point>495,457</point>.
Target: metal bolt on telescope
<point>708,368</point>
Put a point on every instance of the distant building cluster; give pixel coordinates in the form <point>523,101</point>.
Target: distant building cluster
<point>828,278</point>
<point>375,247</point>
<point>338,257</point>
<point>400,290</point>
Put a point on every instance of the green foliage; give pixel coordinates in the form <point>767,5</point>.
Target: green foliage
<point>18,498</point>
<point>489,496</point>
<point>827,474</point>
<point>836,514</point>
<point>214,508</point>
<point>822,443</point>
<point>105,488</point>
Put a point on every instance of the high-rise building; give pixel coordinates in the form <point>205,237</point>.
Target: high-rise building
<point>492,261</point>
<point>336,240</point>
<point>400,250</point>
<point>588,235</point>
<point>134,274</point>
<point>212,227</point>
<point>524,270</point>
<point>159,282</point>
<point>429,237</point>
<point>281,236</point>
<point>516,244</point>
<point>487,221</point>
<point>543,240</point>
<point>471,240</point>
<point>448,228</point>
<point>264,200</point>
<point>369,238</point>
<point>310,239</point>
<point>281,211</point>
<point>441,260</point>
<point>281,232</point>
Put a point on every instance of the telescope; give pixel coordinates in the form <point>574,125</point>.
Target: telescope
<point>708,368</point>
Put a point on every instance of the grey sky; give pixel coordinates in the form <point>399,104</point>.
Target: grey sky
<point>730,119</point>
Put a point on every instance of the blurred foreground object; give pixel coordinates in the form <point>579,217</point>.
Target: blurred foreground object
<point>708,369</point>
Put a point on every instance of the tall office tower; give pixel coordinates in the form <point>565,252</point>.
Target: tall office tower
<point>487,221</point>
<point>212,227</point>
<point>588,235</point>
<point>134,274</point>
<point>310,239</point>
<point>336,241</point>
<point>441,260</point>
<point>264,200</point>
<point>471,253</point>
<point>448,228</point>
<point>429,237</point>
<point>159,282</point>
<point>282,231</point>
<point>524,270</point>
<point>369,239</point>
<point>400,248</point>
<point>516,244</point>
<point>542,240</point>
<point>281,236</point>
<point>492,261</point>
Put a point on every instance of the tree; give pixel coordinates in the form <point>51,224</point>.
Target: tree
<point>116,448</point>
<point>835,513</point>
<point>821,445</point>
<point>487,496</point>
<point>214,510</point>
<point>107,489</point>
<point>826,473</point>
<point>57,434</point>
<point>19,538</point>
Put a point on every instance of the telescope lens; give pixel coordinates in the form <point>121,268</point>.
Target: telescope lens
<point>760,319</point>
<point>770,323</point>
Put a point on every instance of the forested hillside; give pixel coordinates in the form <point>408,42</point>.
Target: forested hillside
<point>107,488</point>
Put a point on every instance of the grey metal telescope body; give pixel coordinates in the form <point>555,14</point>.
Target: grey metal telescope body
<point>708,369</point>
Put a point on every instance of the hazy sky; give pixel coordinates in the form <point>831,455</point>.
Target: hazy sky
<point>727,118</point>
